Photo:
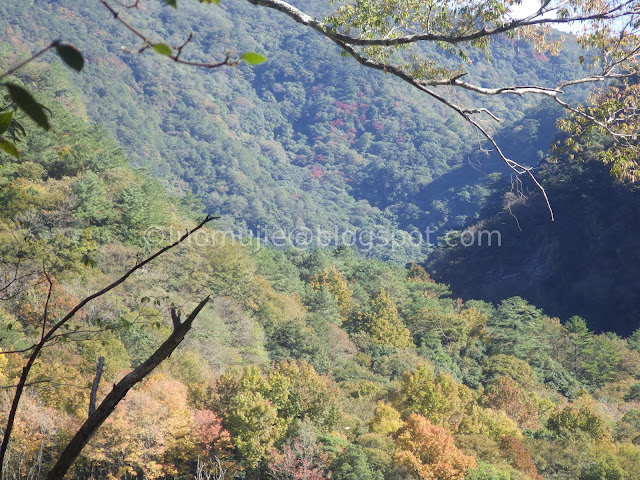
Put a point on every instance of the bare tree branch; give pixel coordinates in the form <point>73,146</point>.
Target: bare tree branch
<point>97,418</point>
<point>30,384</point>
<point>465,113</point>
<point>468,30</point>
<point>45,315</point>
<point>459,34</point>
<point>50,333</point>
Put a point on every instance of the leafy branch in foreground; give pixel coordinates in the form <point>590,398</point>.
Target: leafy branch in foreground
<point>612,115</point>
<point>175,53</point>
<point>19,98</point>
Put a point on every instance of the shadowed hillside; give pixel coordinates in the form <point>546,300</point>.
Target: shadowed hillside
<point>585,263</point>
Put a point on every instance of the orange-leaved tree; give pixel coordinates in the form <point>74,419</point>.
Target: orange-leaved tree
<point>428,452</point>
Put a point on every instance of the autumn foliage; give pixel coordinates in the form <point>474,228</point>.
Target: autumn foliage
<point>429,452</point>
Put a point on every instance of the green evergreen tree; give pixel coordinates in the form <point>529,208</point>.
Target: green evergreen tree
<point>581,339</point>
<point>353,464</point>
<point>634,340</point>
<point>134,206</point>
<point>383,323</point>
<point>516,329</point>
<point>93,202</point>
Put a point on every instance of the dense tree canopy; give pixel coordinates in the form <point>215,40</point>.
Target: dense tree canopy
<point>382,35</point>
<point>429,47</point>
<point>307,363</point>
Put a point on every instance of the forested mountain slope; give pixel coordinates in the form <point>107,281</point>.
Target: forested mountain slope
<point>308,139</point>
<point>310,365</point>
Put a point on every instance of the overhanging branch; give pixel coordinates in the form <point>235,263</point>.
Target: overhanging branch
<point>536,18</point>
<point>516,167</point>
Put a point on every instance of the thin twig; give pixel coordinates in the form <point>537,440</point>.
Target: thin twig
<point>30,384</point>
<point>13,70</point>
<point>148,43</point>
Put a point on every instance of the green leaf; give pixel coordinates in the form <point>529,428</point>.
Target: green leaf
<point>8,147</point>
<point>25,101</point>
<point>5,121</point>
<point>18,129</point>
<point>171,3</point>
<point>162,49</point>
<point>87,261</point>
<point>71,56</point>
<point>217,2</point>
<point>253,58</point>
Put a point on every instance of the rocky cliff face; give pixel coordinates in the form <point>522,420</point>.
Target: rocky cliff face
<point>585,263</point>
